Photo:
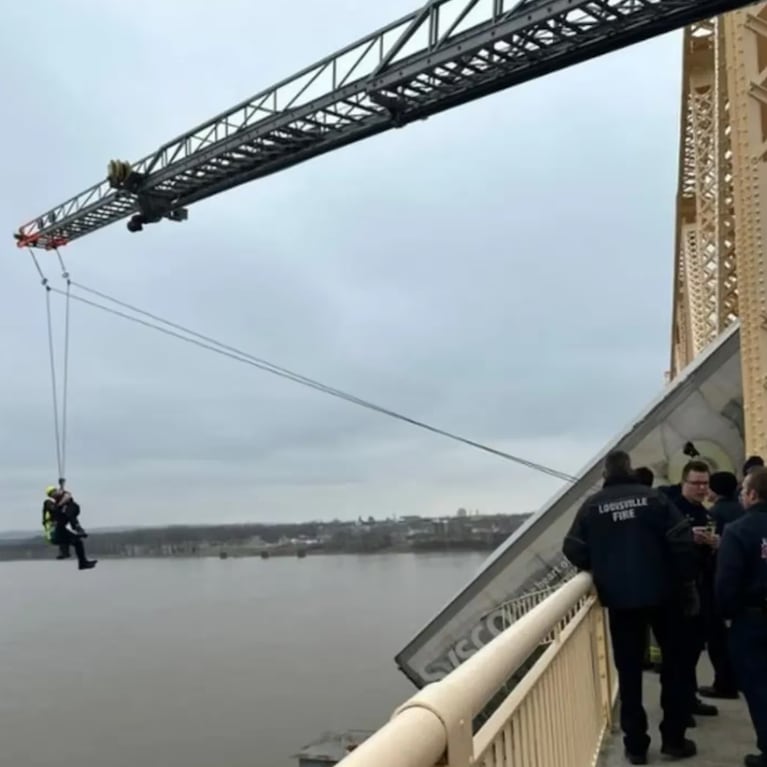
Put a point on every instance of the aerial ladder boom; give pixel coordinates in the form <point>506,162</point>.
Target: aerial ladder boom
<point>446,53</point>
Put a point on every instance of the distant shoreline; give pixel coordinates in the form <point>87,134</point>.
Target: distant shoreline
<point>413,535</point>
<point>39,557</point>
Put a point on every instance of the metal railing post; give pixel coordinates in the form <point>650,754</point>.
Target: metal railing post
<point>603,665</point>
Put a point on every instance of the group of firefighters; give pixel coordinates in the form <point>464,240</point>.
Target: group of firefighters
<point>684,566</point>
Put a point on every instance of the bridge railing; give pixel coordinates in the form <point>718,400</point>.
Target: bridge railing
<point>555,716</point>
<point>514,609</point>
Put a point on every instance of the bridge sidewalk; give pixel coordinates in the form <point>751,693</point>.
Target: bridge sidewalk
<point>722,740</point>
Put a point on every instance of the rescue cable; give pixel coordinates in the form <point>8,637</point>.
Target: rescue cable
<point>59,425</point>
<point>211,344</point>
<point>65,386</point>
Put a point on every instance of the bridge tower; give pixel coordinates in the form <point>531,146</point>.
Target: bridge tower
<point>720,269</point>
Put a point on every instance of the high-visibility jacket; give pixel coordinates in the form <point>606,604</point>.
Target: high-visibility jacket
<point>653,650</point>
<point>50,519</point>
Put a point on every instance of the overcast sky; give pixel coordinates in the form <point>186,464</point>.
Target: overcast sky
<point>502,271</point>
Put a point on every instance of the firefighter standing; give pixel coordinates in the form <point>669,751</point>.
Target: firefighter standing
<point>723,492</point>
<point>741,594</point>
<point>688,497</point>
<point>639,549</point>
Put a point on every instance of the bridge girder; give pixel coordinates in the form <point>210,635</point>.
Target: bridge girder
<point>720,273</point>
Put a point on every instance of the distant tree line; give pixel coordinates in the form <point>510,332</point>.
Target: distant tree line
<point>187,537</point>
<point>188,540</point>
<point>213,534</point>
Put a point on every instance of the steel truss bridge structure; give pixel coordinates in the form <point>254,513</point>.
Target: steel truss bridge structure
<point>450,52</point>
<point>720,273</point>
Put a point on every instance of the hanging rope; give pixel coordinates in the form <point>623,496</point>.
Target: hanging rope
<point>205,342</point>
<point>52,360</point>
<point>65,386</point>
<point>59,425</point>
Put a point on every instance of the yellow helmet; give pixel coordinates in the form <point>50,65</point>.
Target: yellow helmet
<point>50,490</point>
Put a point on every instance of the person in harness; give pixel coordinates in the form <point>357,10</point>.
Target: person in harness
<point>60,512</point>
<point>71,508</point>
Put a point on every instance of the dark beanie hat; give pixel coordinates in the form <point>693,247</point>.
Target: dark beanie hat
<point>723,483</point>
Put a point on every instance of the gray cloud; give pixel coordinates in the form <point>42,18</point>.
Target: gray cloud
<point>502,271</point>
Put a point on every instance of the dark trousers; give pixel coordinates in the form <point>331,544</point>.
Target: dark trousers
<point>715,637</point>
<point>628,631</point>
<point>717,642</point>
<point>63,538</point>
<point>748,646</point>
<point>693,632</point>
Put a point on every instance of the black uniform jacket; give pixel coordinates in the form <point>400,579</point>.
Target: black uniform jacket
<point>741,568</point>
<point>725,511</point>
<point>636,544</point>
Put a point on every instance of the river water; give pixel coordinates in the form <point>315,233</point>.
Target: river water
<point>206,663</point>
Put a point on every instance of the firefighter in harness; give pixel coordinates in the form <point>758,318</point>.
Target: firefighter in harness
<point>60,513</point>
